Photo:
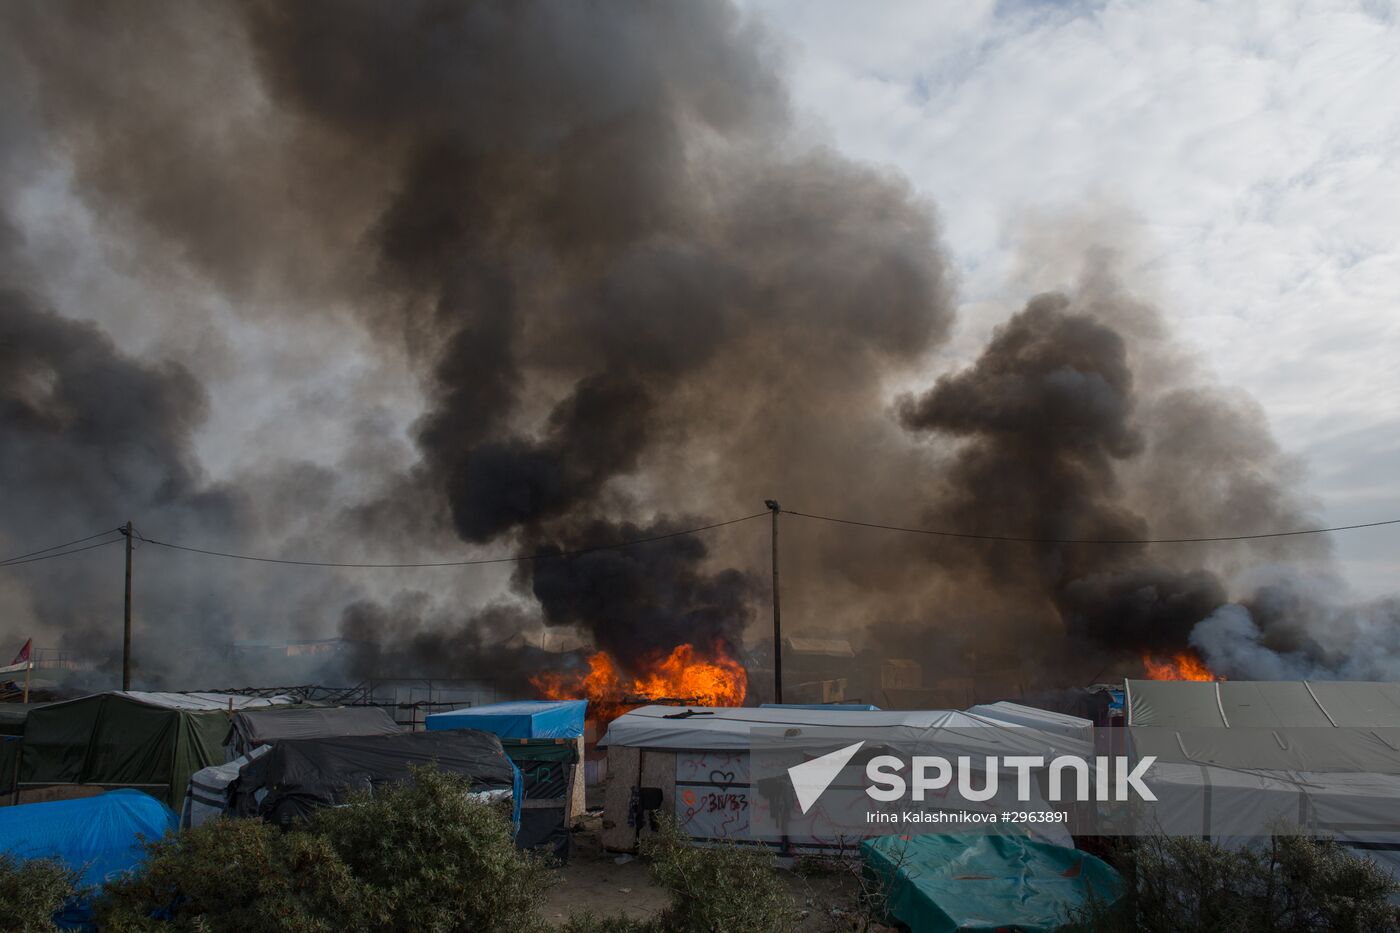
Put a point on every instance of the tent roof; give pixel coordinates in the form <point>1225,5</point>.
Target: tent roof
<point>1322,726</point>
<point>520,719</point>
<point>699,727</point>
<point>203,702</point>
<point>263,726</point>
<point>1033,717</point>
<point>1262,703</point>
<point>833,647</point>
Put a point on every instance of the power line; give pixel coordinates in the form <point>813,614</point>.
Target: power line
<point>16,562</point>
<point>452,563</point>
<point>55,547</point>
<point>1030,540</point>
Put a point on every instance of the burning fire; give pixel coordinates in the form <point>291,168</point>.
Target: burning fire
<point>684,674</point>
<point>1184,665</point>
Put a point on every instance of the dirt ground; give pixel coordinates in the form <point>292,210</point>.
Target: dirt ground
<point>607,883</point>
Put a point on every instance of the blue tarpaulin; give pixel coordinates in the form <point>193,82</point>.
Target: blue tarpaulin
<point>99,837</point>
<point>941,884</point>
<point>522,719</point>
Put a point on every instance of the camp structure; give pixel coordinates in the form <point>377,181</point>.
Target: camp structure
<point>941,884</point>
<point>253,733</point>
<point>98,837</point>
<point>299,775</point>
<point>694,763</point>
<point>209,793</point>
<point>253,727</point>
<point>147,741</point>
<point>1030,717</point>
<point>1238,759</point>
<point>544,738</point>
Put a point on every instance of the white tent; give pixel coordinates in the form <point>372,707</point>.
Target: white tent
<point>1235,758</point>
<point>698,759</point>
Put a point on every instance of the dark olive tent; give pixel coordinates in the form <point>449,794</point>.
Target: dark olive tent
<point>148,741</point>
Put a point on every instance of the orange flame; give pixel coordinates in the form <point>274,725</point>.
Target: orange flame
<point>1184,665</point>
<point>684,674</point>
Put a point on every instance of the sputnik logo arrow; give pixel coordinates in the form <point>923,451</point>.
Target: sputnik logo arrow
<point>811,778</point>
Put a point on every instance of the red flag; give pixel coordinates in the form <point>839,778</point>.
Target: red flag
<point>23,653</point>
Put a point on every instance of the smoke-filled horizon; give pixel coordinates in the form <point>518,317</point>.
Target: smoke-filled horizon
<point>538,276</point>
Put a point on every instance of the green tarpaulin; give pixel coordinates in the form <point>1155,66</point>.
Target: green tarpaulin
<point>115,740</point>
<point>939,884</point>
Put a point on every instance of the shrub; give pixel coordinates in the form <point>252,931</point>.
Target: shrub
<point>589,922</point>
<point>236,876</point>
<point>433,859</point>
<point>719,888</point>
<point>1291,884</point>
<point>32,891</point>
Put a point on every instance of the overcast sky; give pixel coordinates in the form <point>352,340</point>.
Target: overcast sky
<point>1245,155</point>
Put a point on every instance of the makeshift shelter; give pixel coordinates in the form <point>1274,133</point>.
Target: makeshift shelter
<point>147,741</point>
<point>299,775</point>
<point>544,739</point>
<point>251,728</point>
<point>694,763</point>
<point>208,794</point>
<point>1016,714</point>
<point>941,884</point>
<point>99,837</point>
<point>519,719</point>
<point>1238,757</point>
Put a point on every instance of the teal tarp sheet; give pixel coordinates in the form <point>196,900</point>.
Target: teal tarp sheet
<point>939,884</point>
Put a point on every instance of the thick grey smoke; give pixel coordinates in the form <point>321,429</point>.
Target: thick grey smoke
<point>610,290</point>
<point>627,290</point>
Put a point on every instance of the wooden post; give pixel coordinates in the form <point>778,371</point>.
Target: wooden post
<point>126,614</point>
<point>28,666</point>
<point>776,509</point>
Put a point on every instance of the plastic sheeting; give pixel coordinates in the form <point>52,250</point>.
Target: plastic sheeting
<point>939,884</point>
<point>523,719</point>
<point>99,837</point>
<point>265,727</point>
<point>208,794</point>
<point>1015,714</point>
<point>731,728</point>
<point>300,775</point>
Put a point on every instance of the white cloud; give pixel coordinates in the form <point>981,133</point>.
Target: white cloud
<point>1251,152</point>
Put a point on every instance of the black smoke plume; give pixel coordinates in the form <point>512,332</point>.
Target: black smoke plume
<point>528,277</point>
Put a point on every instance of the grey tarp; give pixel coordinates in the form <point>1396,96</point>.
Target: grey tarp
<point>299,775</point>
<point>252,728</point>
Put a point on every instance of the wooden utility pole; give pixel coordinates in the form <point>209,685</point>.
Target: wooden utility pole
<point>126,614</point>
<point>776,509</point>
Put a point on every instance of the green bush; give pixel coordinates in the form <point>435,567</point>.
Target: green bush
<point>719,888</point>
<point>434,860</point>
<point>589,922</point>
<point>32,891</point>
<point>1291,884</point>
<point>236,876</point>
<point>422,856</point>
